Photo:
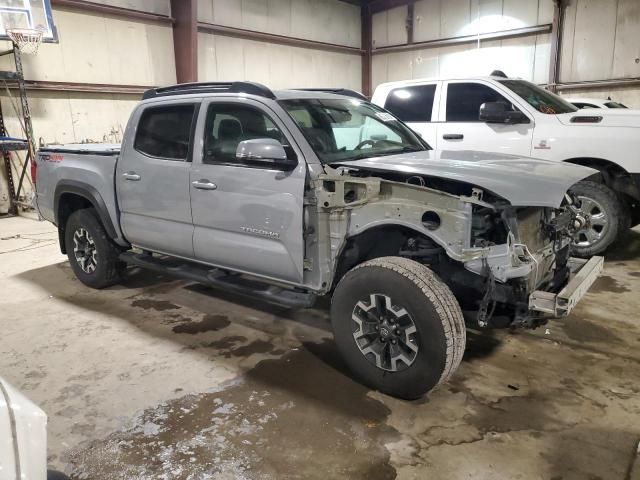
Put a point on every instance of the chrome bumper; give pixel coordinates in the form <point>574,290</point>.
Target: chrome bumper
<point>583,274</point>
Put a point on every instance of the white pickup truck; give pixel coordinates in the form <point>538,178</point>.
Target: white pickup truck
<point>516,117</point>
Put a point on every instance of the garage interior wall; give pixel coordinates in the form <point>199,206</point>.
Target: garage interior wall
<point>526,56</point>
<point>601,41</point>
<point>223,57</point>
<point>93,48</point>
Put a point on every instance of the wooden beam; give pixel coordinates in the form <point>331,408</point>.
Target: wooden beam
<point>185,39</point>
<point>273,38</point>
<point>366,45</point>
<point>85,6</point>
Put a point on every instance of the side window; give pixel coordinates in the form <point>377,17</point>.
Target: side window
<point>464,101</point>
<point>229,124</point>
<point>165,132</point>
<point>411,104</point>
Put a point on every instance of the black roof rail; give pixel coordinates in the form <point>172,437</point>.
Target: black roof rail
<point>250,88</point>
<point>338,91</point>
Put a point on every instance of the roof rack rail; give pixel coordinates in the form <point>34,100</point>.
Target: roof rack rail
<point>250,88</point>
<point>338,91</point>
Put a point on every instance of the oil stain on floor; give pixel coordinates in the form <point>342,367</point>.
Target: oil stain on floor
<point>266,426</point>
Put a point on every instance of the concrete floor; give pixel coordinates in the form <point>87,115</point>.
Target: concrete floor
<point>159,378</point>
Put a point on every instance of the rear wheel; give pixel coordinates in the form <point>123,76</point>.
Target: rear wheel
<point>605,216</point>
<point>398,326</point>
<point>92,255</point>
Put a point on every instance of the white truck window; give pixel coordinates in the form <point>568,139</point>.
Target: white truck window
<point>464,101</point>
<point>411,104</point>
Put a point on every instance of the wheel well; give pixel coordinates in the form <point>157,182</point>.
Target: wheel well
<point>67,204</point>
<point>613,176</point>
<point>382,241</point>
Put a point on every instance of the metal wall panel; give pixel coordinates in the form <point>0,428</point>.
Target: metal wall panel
<point>330,21</point>
<point>601,40</point>
<point>526,57</point>
<point>278,66</point>
<point>626,55</point>
<point>426,24</point>
<point>97,48</point>
<point>390,27</point>
<point>161,7</point>
<point>436,19</point>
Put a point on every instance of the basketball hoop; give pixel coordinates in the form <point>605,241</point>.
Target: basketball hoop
<point>27,40</point>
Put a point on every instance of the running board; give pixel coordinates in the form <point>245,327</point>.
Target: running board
<point>217,278</point>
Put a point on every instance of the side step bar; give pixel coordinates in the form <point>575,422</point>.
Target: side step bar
<point>216,278</point>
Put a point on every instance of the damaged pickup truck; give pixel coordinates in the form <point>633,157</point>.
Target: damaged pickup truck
<point>291,195</point>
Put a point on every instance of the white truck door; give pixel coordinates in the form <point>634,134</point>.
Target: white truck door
<point>152,178</point>
<point>247,215</point>
<point>460,128</point>
<point>417,106</point>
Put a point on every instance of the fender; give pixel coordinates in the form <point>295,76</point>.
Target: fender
<point>90,194</point>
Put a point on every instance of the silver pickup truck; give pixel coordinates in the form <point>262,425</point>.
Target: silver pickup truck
<point>290,195</point>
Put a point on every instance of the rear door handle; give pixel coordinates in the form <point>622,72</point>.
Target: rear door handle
<point>133,176</point>
<point>453,136</point>
<point>204,184</point>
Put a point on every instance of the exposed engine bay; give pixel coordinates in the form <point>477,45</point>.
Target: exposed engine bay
<point>491,254</point>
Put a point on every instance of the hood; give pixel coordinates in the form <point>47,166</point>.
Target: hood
<point>524,182</point>
<point>611,117</point>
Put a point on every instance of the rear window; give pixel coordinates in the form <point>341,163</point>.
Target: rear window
<point>165,132</point>
<point>411,104</point>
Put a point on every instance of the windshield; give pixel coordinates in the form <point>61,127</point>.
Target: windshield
<point>350,129</point>
<point>539,98</point>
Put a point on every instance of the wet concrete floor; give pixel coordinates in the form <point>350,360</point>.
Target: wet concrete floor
<point>159,378</point>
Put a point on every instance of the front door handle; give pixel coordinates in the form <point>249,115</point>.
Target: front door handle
<point>204,184</point>
<point>453,136</point>
<point>133,176</point>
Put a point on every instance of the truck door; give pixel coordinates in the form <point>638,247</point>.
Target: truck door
<point>247,217</point>
<point>152,178</point>
<point>460,128</point>
<point>414,105</point>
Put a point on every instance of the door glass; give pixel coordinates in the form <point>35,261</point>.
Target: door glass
<point>411,104</point>
<point>464,101</point>
<point>165,132</point>
<point>229,124</point>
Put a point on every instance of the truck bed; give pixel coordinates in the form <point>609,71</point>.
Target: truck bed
<point>84,169</point>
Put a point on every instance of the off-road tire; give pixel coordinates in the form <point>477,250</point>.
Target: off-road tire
<point>615,211</point>
<point>436,314</point>
<point>108,269</point>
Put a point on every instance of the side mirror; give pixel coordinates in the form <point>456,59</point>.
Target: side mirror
<point>264,152</point>
<point>497,112</point>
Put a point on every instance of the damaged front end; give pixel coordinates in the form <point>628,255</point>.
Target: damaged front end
<point>508,266</point>
<point>524,257</point>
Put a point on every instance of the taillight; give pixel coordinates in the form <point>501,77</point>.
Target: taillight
<point>34,171</point>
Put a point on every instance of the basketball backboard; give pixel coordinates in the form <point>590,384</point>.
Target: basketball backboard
<point>34,14</point>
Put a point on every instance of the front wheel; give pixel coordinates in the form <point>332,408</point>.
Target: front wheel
<point>605,217</point>
<point>398,326</point>
<point>92,254</point>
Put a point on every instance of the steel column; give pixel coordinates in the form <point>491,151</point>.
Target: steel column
<point>367,46</point>
<point>185,39</point>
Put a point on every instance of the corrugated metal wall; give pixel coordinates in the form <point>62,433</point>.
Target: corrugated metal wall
<point>526,57</point>
<point>278,66</point>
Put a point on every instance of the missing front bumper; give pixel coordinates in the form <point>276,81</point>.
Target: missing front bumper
<point>583,274</point>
